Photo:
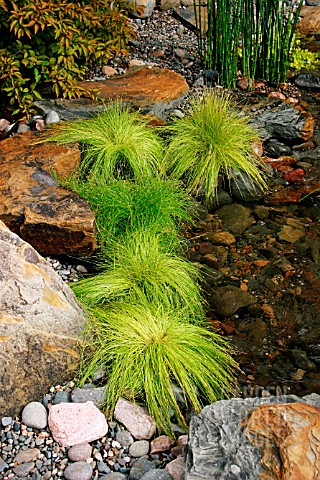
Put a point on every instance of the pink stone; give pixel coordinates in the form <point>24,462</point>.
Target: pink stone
<point>161,444</point>
<point>108,71</point>
<point>183,440</point>
<point>176,468</point>
<point>75,423</point>
<point>135,418</point>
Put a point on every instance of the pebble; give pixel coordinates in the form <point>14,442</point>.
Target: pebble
<point>78,471</point>
<point>80,453</point>
<point>124,438</point>
<point>34,415</point>
<point>140,467</point>
<point>139,448</point>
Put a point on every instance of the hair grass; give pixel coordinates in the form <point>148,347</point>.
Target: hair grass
<point>214,139</point>
<point>146,347</point>
<point>141,269</point>
<point>123,207</point>
<point>115,144</point>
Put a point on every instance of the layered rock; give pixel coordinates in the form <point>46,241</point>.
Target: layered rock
<point>153,90</point>
<point>289,436</point>
<point>52,219</point>
<point>255,438</point>
<point>40,322</point>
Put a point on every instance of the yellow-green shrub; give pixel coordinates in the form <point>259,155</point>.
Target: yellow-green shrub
<point>50,43</point>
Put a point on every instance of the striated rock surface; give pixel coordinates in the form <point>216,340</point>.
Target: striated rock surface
<point>32,204</point>
<point>40,322</point>
<point>289,436</point>
<point>219,448</point>
<point>76,423</point>
<point>152,89</point>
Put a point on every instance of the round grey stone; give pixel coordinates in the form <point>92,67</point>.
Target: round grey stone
<point>35,415</point>
<point>140,467</point>
<point>124,438</point>
<point>139,448</point>
<point>80,453</point>
<point>78,471</point>
<point>157,475</point>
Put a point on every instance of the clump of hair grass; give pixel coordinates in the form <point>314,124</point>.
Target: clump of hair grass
<point>115,144</point>
<point>148,346</point>
<point>123,207</point>
<point>142,268</point>
<point>213,140</point>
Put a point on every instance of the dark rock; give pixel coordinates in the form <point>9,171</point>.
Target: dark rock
<point>242,187</point>
<point>300,359</point>
<point>275,149</point>
<point>140,467</point>
<point>83,395</point>
<point>285,123</point>
<point>235,217</point>
<point>228,300</point>
<point>308,80</point>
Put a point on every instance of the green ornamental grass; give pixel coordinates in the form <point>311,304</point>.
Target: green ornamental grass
<point>122,207</point>
<point>146,347</point>
<point>141,269</point>
<point>115,144</point>
<point>214,139</point>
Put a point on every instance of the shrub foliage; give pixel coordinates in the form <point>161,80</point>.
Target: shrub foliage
<point>50,42</point>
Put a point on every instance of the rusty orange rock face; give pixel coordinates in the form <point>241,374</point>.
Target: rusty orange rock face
<point>289,435</point>
<point>142,86</point>
<point>32,203</point>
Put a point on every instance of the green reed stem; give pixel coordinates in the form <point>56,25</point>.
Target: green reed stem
<point>253,37</point>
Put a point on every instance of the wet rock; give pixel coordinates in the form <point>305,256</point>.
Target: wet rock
<point>222,238</point>
<point>235,217</point>
<point>32,204</point>
<point>300,359</point>
<point>292,232</point>
<point>40,323</point>
<point>153,90</point>
<point>242,187</point>
<point>228,300</point>
<point>285,123</point>
<point>135,419</point>
<point>308,80</point>
<point>295,176</point>
<point>275,149</point>
<point>290,436</point>
<point>76,423</point>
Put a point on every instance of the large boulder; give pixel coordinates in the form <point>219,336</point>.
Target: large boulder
<point>52,219</point>
<point>153,90</point>
<point>255,438</point>
<point>40,323</point>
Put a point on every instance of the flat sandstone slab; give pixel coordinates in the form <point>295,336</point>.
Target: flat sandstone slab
<point>52,219</point>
